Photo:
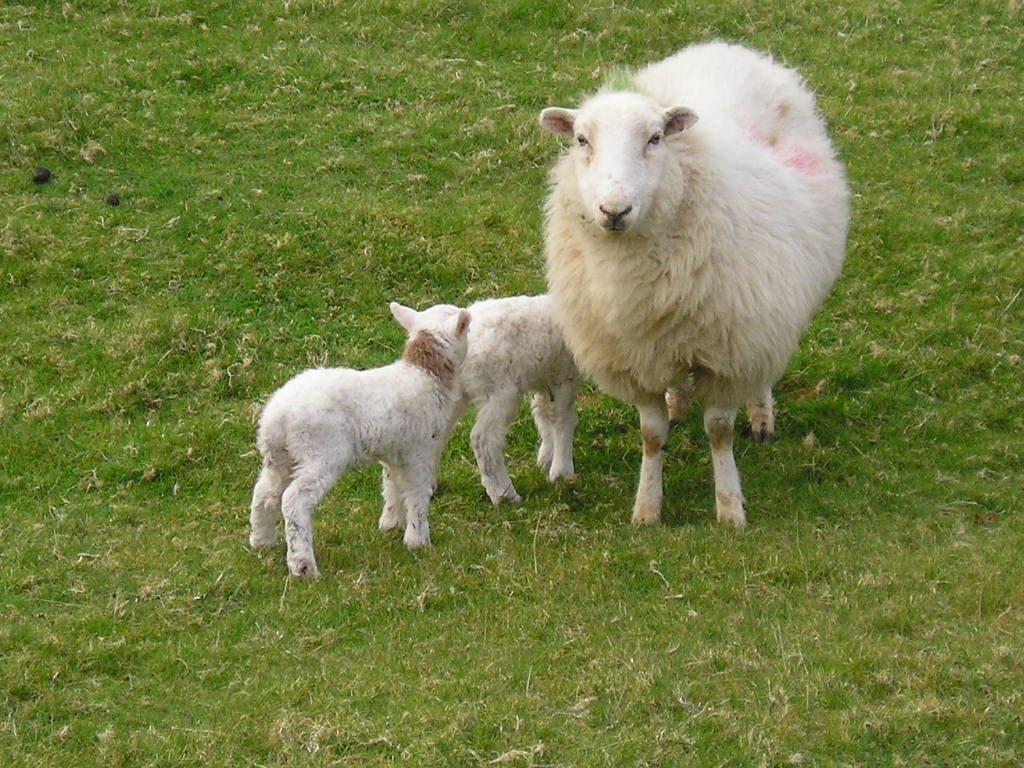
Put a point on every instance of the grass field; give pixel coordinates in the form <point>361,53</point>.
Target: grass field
<point>286,168</point>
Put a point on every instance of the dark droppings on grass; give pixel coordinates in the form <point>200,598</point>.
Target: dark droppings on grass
<point>41,175</point>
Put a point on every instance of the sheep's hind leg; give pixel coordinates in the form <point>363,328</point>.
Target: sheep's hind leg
<point>488,440</point>
<point>555,416</point>
<point>266,503</point>
<point>654,428</point>
<point>543,416</point>
<point>299,500</point>
<point>719,424</point>
<point>761,414</point>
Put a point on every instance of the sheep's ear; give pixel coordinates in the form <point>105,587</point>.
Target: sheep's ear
<point>462,323</point>
<point>558,120</point>
<point>679,119</point>
<point>405,316</point>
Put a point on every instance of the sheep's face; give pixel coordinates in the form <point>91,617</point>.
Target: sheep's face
<point>447,323</point>
<point>618,154</point>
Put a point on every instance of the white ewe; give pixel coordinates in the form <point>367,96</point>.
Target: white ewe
<point>693,254</point>
<point>325,420</point>
<point>515,347</point>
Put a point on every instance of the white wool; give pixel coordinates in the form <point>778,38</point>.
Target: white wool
<point>326,420</point>
<point>515,347</point>
<point>693,229</point>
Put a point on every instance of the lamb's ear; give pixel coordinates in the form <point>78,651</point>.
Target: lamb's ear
<point>462,323</point>
<point>405,316</point>
<point>679,119</point>
<point>558,120</point>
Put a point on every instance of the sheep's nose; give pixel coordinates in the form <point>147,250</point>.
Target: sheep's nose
<point>614,219</point>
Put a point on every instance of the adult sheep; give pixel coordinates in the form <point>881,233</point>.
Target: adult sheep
<point>693,254</point>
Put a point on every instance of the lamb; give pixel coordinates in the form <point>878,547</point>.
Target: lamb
<point>326,420</point>
<point>515,347</point>
<point>684,254</point>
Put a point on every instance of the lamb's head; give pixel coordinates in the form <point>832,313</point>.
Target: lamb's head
<point>618,153</point>
<point>437,336</point>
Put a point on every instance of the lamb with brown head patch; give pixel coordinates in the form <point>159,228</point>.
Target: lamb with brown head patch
<point>326,420</point>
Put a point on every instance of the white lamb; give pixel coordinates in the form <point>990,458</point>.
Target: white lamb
<point>325,420</point>
<point>693,254</point>
<point>515,347</point>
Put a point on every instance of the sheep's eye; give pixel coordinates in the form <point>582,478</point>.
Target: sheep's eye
<point>582,141</point>
<point>654,141</point>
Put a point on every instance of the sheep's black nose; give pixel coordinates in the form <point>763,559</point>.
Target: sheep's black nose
<point>613,219</point>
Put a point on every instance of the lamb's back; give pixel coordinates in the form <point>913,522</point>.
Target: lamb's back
<point>514,340</point>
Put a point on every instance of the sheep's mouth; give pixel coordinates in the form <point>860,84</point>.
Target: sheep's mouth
<point>614,226</point>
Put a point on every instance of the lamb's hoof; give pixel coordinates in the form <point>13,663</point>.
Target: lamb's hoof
<point>762,435</point>
<point>416,541</point>
<point>417,536</point>
<point>304,569</point>
<point>389,521</point>
<point>646,514</point>
<point>262,540</point>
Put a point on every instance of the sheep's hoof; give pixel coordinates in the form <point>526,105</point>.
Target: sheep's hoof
<point>507,495</point>
<point>416,541</point>
<point>389,521</point>
<point>730,510</point>
<point>646,514</point>
<point>763,435</point>
<point>304,569</point>
<point>262,540</point>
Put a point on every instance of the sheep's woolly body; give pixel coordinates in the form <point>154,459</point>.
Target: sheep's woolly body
<point>516,347</point>
<point>326,420</point>
<point>737,230</point>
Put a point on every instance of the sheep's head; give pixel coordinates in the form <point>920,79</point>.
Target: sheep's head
<point>618,153</point>
<point>445,324</point>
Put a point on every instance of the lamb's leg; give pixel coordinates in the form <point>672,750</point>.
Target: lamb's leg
<point>761,413</point>
<point>266,503</point>
<point>678,400</point>
<point>446,436</point>
<point>654,430</point>
<point>393,515</point>
<point>300,499</point>
<point>543,416</point>
<point>488,440</point>
<point>719,424</point>
<point>414,479</point>
<point>555,416</point>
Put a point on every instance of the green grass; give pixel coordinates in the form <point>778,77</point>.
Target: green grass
<point>285,169</point>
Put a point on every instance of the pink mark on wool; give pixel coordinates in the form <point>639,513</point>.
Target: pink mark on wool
<point>799,158</point>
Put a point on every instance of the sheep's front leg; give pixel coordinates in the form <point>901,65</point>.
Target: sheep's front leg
<point>719,424</point>
<point>393,515</point>
<point>555,416</point>
<point>415,481</point>
<point>488,440</point>
<point>654,430</point>
<point>761,414</point>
